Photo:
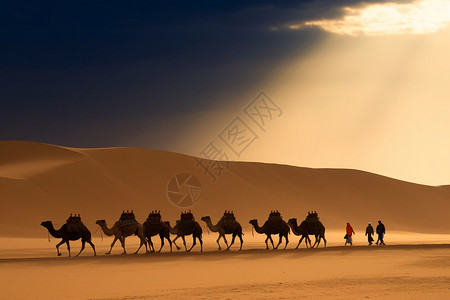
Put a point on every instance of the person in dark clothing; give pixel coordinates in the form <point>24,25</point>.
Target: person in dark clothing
<point>381,230</point>
<point>369,233</point>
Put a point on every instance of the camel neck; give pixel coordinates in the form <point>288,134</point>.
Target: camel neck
<point>257,228</point>
<point>106,230</point>
<point>55,233</point>
<point>211,226</point>
<point>295,228</point>
<point>172,230</point>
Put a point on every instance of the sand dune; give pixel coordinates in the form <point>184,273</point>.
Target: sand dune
<point>44,182</point>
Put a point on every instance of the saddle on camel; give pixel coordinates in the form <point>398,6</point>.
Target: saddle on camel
<point>74,223</point>
<point>154,217</point>
<point>229,220</point>
<point>127,218</point>
<point>275,219</point>
<point>186,220</point>
<point>312,219</point>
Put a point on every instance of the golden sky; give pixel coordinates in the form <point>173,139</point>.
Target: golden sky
<point>373,95</point>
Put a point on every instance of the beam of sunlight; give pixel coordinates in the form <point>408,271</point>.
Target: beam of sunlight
<point>420,17</point>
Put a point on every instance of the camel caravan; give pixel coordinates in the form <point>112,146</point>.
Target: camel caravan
<point>127,225</point>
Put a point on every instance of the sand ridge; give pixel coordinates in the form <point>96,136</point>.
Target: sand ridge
<point>100,183</point>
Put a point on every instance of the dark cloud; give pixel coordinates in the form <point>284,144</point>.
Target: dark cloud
<point>70,69</point>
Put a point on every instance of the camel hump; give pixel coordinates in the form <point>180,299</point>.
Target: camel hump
<point>228,219</point>
<point>128,218</point>
<point>74,223</point>
<point>154,217</point>
<point>312,217</point>
<point>186,220</point>
<point>275,216</point>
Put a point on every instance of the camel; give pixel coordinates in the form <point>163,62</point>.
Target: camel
<point>120,232</point>
<point>84,234</point>
<point>233,228</point>
<point>269,228</point>
<point>181,230</point>
<point>299,231</point>
<point>306,228</point>
<point>154,226</point>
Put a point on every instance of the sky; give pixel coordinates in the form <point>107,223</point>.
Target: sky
<point>347,84</point>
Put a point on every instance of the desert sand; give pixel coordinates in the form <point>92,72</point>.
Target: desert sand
<point>44,182</point>
<point>357,272</point>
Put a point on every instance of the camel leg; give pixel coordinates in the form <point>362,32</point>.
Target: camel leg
<point>324,241</point>
<point>178,248</point>
<point>226,242</point>
<point>316,242</point>
<point>193,242</point>
<point>162,242</point>
<point>201,243</point>
<point>270,238</point>
<point>242,241</point>
<point>93,247</point>
<point>68,247</point>
<point>267,245</point>
<point>309,240</point>
<point>232,241</point>
<point>184,243</point>
<point>82,247</point>
<point>142,243</point>
<point>300,241</point>
<point>143,240</point>
<point>170,243</point>
<point>218,239</point>
<point>122,241</point>
<point>57,247</point>
<point>287,241</point>
<point>150,244</point>
<point>112,244</point>
<point>279,241</point>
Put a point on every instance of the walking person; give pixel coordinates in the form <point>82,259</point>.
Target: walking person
<point>369,233</point>
<point>381,230</point>
<point>349,234</point>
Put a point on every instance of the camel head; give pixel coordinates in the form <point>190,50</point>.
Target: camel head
<point>46,224</point>
<point>253,222</point>
<point>100,222</point>
<point>206,219</point>
<point>293,221</point>
<point>167,223</point>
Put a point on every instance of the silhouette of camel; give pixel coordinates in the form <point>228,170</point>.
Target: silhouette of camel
<point>154,226</point>
<point>83,233</point>
<point>273,227</point>
<point>299,231</point>
<point>309,228</point>
<point>120,232</point>
<point>223,227</point>
<point>183,229</point>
